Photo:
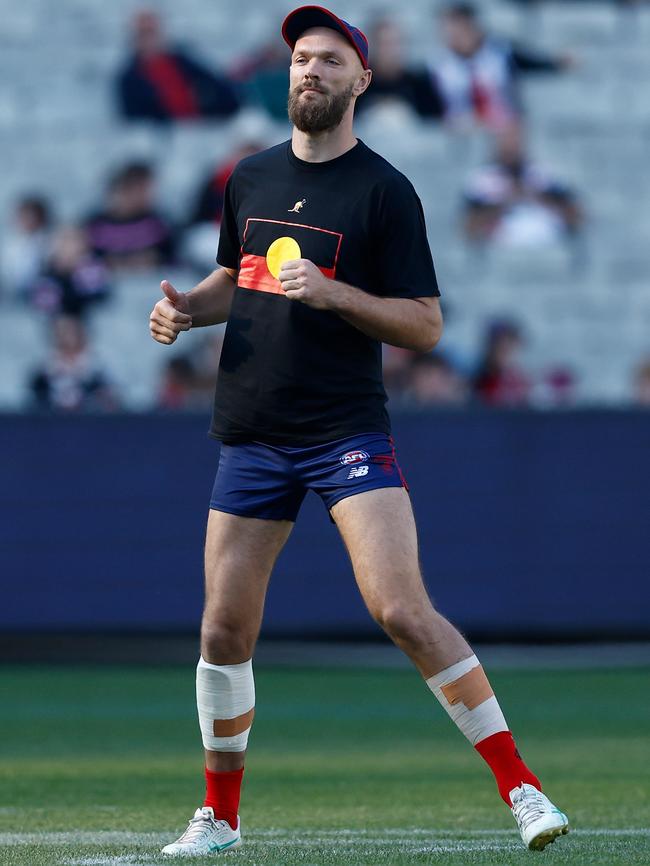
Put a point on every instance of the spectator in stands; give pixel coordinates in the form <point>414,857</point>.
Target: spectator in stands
<point>433,381</point>
<point>25,244</point>
<point>178,384</point>
<point>130,233</point>
<point>396,365</point>
<point>72,278</point>
<point>200,237</point>
<point>71,380</point>
<point>478,75</point>
<point>500,379</point>
<point>513,202</point>
<point>188,380</point>
<point>263,78</point>
<point>393,79</point>
<point>642,384</point>
<point>209,201</point>
<point>556,389</point>
<point>166,84</point>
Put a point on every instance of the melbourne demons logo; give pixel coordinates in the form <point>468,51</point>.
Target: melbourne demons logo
<point>354,457</point>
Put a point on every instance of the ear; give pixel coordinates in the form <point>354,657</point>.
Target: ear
<point>363,82</point>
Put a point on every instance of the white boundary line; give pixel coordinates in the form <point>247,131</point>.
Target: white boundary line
<point>432,838</point>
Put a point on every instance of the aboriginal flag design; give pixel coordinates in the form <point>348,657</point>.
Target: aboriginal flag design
<point>269,243</point>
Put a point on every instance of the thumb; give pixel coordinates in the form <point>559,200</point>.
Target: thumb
<point>170,292</point>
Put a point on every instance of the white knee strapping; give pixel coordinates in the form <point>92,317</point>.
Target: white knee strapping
<point>225,698</point>
<point>465,693</point>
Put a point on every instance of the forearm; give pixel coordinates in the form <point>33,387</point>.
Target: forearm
<point>210,300</point>
<point>526,60</point>
<point>410,323</point>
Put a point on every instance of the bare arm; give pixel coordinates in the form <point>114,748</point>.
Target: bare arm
<point>208,303</point>
<point>210,300</point>
<point>411,323</point>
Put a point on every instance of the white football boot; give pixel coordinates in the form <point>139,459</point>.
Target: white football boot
<point>539,821</point>
<point>205,835</point>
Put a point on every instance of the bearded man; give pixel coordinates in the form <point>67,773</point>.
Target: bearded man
<point>324,255</point>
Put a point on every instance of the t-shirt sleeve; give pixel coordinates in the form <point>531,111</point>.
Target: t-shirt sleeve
<point>402,257</point>
<point>229,242</point>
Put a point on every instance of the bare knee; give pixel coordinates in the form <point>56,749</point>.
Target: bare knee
<point>406,624</point>
<point>226,642</point>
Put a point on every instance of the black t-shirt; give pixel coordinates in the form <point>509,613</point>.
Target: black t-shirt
<point>290,374</point>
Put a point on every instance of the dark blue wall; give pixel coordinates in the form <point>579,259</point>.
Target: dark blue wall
<point>530,524</point>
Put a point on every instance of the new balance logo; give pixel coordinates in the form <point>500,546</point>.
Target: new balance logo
<point>358,471</point>
<point>298,206</point>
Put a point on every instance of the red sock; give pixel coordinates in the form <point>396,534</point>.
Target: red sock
<point>222,792</point>
<point>501,753</point>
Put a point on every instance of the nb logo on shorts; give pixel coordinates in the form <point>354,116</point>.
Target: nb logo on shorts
<point>358,471</point>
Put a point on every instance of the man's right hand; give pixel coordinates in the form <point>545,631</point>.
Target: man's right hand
<point>170,316</point>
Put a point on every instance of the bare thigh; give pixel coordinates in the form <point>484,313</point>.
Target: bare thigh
<point>240,553</point>
<point>378,529</point>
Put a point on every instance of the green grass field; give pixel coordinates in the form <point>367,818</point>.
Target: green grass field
<point>102,766</point>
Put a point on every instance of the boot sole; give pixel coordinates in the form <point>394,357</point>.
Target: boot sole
<point>547,836</point>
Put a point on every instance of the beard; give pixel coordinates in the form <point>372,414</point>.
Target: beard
<point>320,113</point>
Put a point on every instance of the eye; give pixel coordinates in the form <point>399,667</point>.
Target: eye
<point>299,59</point>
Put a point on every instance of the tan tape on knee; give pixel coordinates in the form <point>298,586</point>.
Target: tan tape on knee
<point>233,727</point>
<point>471,689</point>
<point>466,694</point>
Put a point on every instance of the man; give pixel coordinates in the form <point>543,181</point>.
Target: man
<point>71,379</point>
<point>394,79</point>
<point>478,76</point>
<point>166,84</point>
<point>309,295</point>
<point>129,232</point>
<point>514,202</point>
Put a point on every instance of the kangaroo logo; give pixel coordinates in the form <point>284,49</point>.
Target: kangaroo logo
<point>298,206</point>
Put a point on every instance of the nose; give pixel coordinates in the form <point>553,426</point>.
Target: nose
<point>311,68</point>
<point>311,81</point>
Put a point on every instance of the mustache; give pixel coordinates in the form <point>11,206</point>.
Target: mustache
<point>302,87</point>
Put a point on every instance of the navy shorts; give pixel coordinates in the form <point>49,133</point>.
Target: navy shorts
<point>271,481</point>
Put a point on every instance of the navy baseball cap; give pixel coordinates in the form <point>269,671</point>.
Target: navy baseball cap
<point>305,17</point>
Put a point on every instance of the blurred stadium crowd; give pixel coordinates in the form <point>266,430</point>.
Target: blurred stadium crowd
<point>522,125</point>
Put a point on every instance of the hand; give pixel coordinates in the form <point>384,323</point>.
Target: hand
<point>303,281</point>
<point>170,316</point>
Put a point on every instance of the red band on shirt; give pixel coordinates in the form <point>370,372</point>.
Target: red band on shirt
<point>254,274</point>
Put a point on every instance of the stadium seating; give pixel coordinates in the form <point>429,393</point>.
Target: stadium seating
<point>589,310</point>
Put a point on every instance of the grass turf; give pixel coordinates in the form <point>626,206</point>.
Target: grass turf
<point>101,766</point>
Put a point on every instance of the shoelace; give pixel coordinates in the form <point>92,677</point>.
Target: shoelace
<point>528,807</point>
<point>197,828</point>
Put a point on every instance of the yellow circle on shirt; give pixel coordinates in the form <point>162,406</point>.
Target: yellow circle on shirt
<point>281,250</point>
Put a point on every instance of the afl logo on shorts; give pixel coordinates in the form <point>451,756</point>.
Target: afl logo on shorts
<point>354,457</point>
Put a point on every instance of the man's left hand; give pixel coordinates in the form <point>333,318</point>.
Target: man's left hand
<point>303,281</point>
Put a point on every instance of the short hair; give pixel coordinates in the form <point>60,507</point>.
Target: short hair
<point>499,328</point>
<point>132,172</point>
<point>39,205</point>
<point>460,10</point>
